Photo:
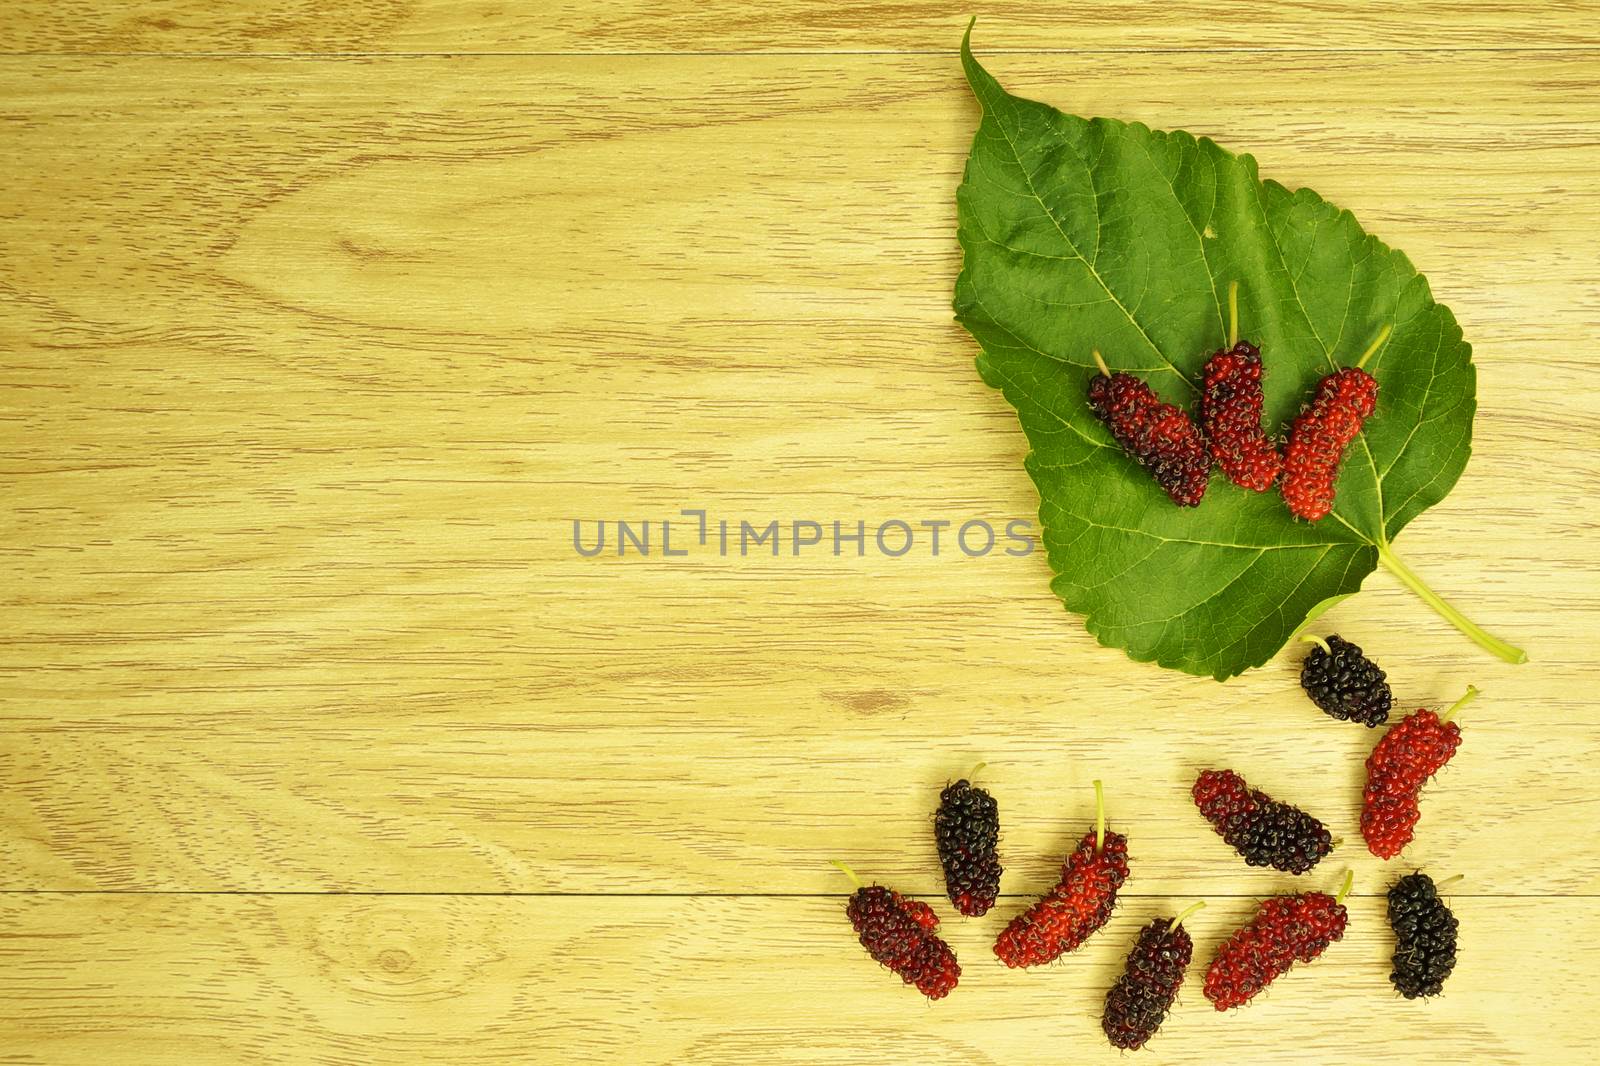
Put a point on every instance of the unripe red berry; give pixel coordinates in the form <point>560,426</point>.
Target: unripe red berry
<point>1319,436</point>
<point>1230,417</point>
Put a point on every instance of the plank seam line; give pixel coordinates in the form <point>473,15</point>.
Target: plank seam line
<point>820,53</point>
<point>712,895</point>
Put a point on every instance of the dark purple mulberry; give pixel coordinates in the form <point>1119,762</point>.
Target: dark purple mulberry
<point>1138,1003</point>
<point>967,830</point>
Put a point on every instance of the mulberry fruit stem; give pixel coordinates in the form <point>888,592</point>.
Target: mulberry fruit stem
<point>1312,638</point>
<point>1489,642</point>
<point>1470,695</point>
<point>1190,909</point>
<point>855,879</point>
<point>1377,342</point>
<point>1233,313</point>
<point>1099,818</point>
<point>1344,889</point>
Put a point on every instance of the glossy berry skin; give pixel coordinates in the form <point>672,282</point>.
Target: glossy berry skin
<point>1285,930</point>
<point>967,831</point>
<point>1230,418</point>
<point>1262,830</point>
<point>1138,1003</point>
<point>1346,684</point>
<point>1319,436</point>
<point>1398,767</point>
<point>1072,911</point>
<point>1425,937</point>
<point>900,933</point>
<point>1161,437</point>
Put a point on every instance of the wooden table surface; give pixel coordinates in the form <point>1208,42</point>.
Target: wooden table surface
<point>319,325</point>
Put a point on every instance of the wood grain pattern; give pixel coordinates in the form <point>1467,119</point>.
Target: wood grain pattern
<point>399,26</point>
<point>308,363</point>
<point>305,403</point>
<point>723,982</point>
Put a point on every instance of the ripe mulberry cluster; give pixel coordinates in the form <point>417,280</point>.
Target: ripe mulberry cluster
<point>1074,909</point>
<point>1138,1003</point>
<point>1345,683</point>
<point>1319,436</point>
<point>1425,937</point>
<point>1161,437</point>
<point>1398,767</point>
<point>900,933</point>
<point>1230,416</point>
<point>967,830</point>
<point>1262,830</point>
<point>1285,930</point>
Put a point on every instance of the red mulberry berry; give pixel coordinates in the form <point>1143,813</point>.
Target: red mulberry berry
<point>1138,1003</point>
<point>1398,767</point>
<point>967,831</point>
<point>1285,930</point>
<point>1076,907</point>
<point>1161,437</point>
<point>1230,417</point>
<point>1262,830</point>
<point>900,933</point>
<point>1319,436</point>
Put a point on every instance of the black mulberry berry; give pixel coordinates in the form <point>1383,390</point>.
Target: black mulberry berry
<point>1425,937</point>
<point>967,829</point>
<point>1345,683</point>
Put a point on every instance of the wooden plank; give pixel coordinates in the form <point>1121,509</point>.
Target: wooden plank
<point>664,807</point>
<point>466,980</point>
<point>308,366</point>
<point>742,26</point>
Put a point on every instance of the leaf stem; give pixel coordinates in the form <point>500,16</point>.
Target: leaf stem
<point>851,874</point>
<point>1408,577</point>
<point>1349,882</point>
<point>1377,342</point>
<point>1472,694</point>
<point>1312,638</point>
<point>1099,361</point>
<point>1099,818</point>
<point>1233,313</point>
<point>1190,909</point>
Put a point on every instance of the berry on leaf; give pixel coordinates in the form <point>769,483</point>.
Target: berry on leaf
<point>1160,437</point>
<point>1319,435</point>
<point>1231,401</point>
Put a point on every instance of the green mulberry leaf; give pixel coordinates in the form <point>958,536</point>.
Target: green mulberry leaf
<point>1084,234</point>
